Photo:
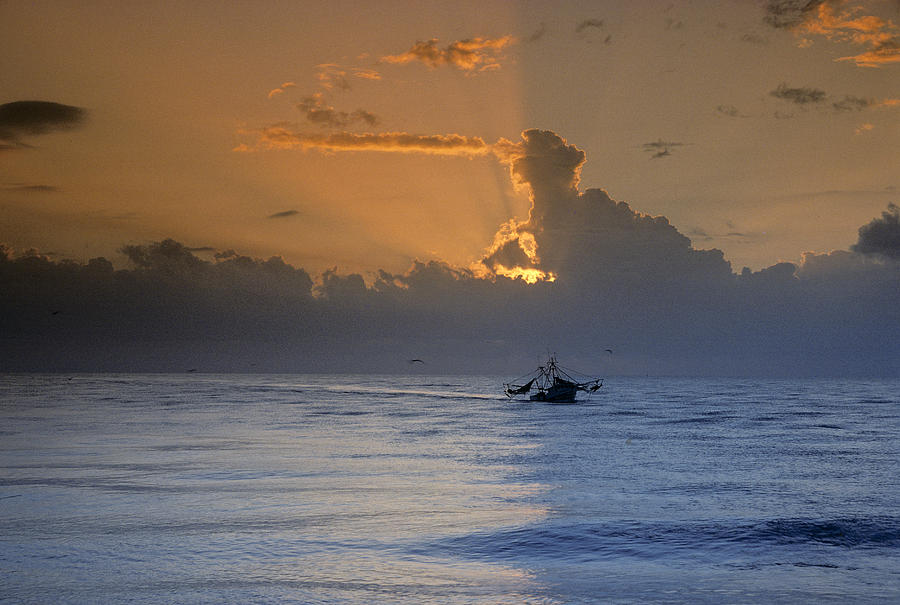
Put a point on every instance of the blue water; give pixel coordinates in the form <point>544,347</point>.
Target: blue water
<point>376,489</point>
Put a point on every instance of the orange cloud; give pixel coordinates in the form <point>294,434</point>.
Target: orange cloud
<point>319,112</point>
<point>333,76</point>
<point>840,22</point>
<point>282,137</point>
<point>366,74</point>
<point>847,24</point>
<point>467,55</point>
<point>277,91</point>
<point>888,52</point>
<point>546,166</point>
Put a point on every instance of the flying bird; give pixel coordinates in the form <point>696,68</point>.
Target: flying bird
<point>609,351</point>
<point>412,361</point>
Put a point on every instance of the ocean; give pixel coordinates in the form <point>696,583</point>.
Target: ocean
<point>199,488</point>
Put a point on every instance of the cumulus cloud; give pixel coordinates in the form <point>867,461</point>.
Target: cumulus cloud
<point>604,275</point>
<point>283,137</point>
<point>466,55</point>
<point>799,96</point>
<point>23,118</point>
<point>582,236</point>
<point>881,237</point>
<point>318,112</point>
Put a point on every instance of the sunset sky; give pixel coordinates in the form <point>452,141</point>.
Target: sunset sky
<point>676,107</point>
<point>367,136</point>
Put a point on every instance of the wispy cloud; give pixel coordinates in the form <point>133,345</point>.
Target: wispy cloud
<point>851,103</point>
<point>318,112</point>
<point>788,14</point>
<point>806,96</point>
<point>799,96</point>
<point>660,148</point>
<point>730,111</point>
<point>365,74</point>
<point>332,76</point>
<point>539,33</point>
<point>840,21</point>
<point>23,188</point>
<point>584,29</point>
<point>843,22</point>
<point>588,24</point>
<point>280,90</point>
<point>281,137</point>
<point>467,55</point>
<point>881,54</point>
<point>752,38</point>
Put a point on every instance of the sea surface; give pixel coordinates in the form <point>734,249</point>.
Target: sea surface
<point>201,488</point>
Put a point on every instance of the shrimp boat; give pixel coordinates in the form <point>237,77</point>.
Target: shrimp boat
<point>552,383</point>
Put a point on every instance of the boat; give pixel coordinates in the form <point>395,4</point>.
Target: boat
<point>552,383</point>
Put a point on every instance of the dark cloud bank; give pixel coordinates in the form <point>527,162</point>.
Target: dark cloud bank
<point>624,281</point>
<point>25,118</point>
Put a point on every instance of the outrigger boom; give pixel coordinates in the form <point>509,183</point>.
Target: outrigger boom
<point>552,383</point>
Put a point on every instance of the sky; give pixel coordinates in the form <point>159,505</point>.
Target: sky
<point>703,187</point>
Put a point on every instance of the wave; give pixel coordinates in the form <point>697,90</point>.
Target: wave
<point>657,540</point>
<point>395,393</point>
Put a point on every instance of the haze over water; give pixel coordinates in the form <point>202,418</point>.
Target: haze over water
<point>360,489</point>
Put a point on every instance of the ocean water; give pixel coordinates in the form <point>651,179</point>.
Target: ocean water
<point>394,489</point>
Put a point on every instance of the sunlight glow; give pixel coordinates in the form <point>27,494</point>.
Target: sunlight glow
<point>529,276</point>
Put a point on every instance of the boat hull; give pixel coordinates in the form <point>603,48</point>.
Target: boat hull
<point>552,384</point>
<point>556,395</point>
